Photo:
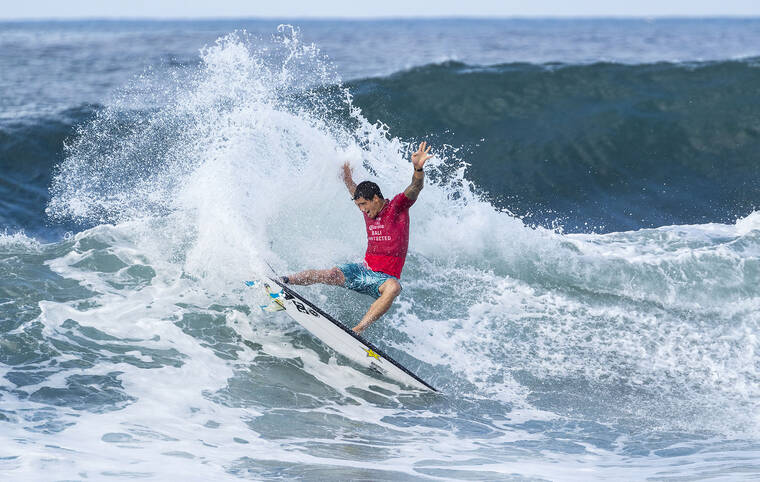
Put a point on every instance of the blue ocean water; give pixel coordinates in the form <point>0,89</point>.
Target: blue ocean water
<point>582,280</point>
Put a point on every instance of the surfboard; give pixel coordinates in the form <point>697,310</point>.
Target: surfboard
<point>336,335</point>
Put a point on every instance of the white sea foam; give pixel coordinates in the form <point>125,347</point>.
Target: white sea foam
<point>18,241</point>
<point>647,330</point>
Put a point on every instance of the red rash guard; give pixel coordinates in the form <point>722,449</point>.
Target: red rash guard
<point>388,237</point>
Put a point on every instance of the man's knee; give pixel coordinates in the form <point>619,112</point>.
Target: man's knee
<point>391,287</point>
<point>336,276</point>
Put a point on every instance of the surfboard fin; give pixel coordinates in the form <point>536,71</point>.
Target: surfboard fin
<point>272,308</point>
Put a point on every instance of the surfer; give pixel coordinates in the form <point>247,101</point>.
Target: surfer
<point>387,241</point>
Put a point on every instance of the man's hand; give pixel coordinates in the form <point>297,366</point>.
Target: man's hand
<point>419,157</point>
<point>348,178</point>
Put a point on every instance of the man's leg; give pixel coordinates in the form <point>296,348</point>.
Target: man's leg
<point>389,290</point>
<point>332,276</point>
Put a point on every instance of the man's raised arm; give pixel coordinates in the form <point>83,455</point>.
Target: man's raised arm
<point>348,178</point>
<point>418,178</point>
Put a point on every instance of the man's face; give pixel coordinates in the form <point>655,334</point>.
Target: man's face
<point>370,208</point>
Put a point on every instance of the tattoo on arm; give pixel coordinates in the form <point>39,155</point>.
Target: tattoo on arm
<point>348,179</point>
<point>351,186</point>
<point>418,182</point>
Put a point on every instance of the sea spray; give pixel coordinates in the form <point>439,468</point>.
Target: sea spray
<point>551,348</point>
<point>248,171</point>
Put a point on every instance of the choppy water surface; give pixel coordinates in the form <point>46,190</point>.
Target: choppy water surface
<point>131,349</point>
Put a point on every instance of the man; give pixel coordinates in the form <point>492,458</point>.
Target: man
<point>387,241</point>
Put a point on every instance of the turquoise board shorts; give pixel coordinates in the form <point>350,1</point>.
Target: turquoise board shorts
<point>362,279</point>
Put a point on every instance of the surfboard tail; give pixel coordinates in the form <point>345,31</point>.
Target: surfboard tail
<point>275,297</point>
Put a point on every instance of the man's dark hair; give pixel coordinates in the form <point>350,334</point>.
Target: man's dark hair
<point>367,190</point>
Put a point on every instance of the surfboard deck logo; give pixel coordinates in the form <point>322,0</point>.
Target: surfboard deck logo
<point>335,334</point>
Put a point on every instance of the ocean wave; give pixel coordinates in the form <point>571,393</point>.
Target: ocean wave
<point>29,150</point>
<point>624,348</point>
<point>242,166</point>
<point>623,146</point>
<point>595,147</point>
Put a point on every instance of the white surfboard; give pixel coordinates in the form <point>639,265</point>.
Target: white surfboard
<point>336,335</point>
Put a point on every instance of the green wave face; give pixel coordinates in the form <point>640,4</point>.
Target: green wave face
<point>621,146</point>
